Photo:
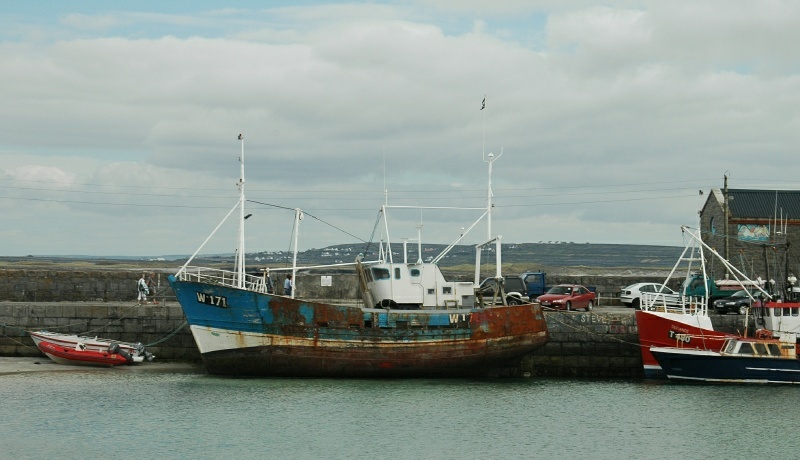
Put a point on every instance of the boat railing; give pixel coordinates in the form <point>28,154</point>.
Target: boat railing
<point>670,303</point>
<point>227,278</point>
<point>682,340</point>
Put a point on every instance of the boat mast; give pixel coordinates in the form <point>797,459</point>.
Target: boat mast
<point>489,205</point>
<point>298,216</point>
<point>240,251</point>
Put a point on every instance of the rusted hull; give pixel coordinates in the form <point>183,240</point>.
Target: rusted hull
<point>244,333</point>
<point>469,358</point>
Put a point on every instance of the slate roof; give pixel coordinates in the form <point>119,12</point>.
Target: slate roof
<point>764,204</point>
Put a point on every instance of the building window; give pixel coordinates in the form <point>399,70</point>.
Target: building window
<point>712,226</point>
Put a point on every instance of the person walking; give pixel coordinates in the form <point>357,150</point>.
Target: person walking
<point>142,287</point>
<point>287,285</point>
<point>151,287</point>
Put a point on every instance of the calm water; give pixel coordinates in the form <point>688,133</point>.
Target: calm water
<point>124,415</point>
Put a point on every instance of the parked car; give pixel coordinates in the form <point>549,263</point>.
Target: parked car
<point>631,296</point>
<point>513,286</point>
<point>737,303</point>
<point>568,297</point>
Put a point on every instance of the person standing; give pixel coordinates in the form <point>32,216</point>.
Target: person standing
<point>151,287</point>
<point>287,285</point>
<point>142,287</point>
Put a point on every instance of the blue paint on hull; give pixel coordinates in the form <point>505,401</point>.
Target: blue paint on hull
<point>733,369</point>
<point>347,341</point>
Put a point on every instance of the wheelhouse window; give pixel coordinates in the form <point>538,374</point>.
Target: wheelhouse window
<point>774,349</point>
<point>729,346</point>
<point>415,272</point>
<point>397,273</point>
<point>380,273</point>
<point>447,290</point>
<point>745,348</point>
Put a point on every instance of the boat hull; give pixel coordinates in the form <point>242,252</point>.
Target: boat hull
<point>65,355</point>
<point>239,332</point>
<point>660,329</point>
<point>134,351</point>
<point>708,366</point>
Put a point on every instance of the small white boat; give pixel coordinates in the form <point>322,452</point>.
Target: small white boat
<point>133,352</point>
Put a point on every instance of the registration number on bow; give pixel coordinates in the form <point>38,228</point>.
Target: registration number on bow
<point>213,300</point>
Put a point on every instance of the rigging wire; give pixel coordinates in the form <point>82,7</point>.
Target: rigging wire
<point>309,215</point>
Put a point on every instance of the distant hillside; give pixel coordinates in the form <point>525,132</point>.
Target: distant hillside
<point>554,255</point>
<point>524,255</point>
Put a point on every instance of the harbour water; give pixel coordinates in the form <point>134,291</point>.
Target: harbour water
<point>109,413</point>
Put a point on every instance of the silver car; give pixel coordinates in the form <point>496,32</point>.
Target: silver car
<point>631,296</point>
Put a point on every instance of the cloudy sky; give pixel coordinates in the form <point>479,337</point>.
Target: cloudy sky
<point>120,119</point>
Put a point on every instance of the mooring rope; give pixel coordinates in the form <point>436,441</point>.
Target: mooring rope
<point>91,331</point>
<point>168,336</point>
<point>4,325</point>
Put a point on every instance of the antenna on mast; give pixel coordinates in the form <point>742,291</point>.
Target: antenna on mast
<point>240,251</point>
<point>483,106</point>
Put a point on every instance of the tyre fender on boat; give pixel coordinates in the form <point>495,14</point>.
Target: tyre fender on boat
<point>763,334</point>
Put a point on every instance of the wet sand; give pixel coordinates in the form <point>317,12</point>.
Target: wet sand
<point>21,365</point>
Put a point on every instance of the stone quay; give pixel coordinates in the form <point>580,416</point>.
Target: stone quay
<point>602,343</point>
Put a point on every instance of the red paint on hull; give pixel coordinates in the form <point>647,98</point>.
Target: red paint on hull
<point>656,330</point>
<point>64,355</point>
<point>498,336</point>
<point>444,360</point>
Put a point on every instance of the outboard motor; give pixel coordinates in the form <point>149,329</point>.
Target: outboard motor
<point>140,351</point>
<point>125,355</point>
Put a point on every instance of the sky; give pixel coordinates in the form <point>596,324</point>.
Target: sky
<point>120,120</point>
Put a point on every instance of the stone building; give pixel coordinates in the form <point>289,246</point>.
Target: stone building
<point>758,231</point>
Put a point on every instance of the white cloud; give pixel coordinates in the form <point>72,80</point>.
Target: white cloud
<point>608,125</point>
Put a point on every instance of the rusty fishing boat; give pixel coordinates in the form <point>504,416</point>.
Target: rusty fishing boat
<point>411,321</point>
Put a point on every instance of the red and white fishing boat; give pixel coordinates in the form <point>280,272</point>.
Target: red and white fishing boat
<point>80,355</point>
<point>133,352</point>
<point>660,324</point>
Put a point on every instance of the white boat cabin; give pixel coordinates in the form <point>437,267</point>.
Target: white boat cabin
<point>778,317</point>
<point>413,286</point>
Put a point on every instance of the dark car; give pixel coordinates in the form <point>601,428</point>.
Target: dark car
<point>737,303</point>
<point>512,285</point>
<point>568,297</point>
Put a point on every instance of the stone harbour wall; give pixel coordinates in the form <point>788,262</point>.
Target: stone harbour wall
<point>161,328</point>
<point>588,344</point>
<point>593,344</point>
<point>114,285</point>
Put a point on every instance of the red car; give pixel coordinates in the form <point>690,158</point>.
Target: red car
<point>568,297</point>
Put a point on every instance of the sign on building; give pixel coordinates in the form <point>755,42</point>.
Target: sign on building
<point>753,232</point>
